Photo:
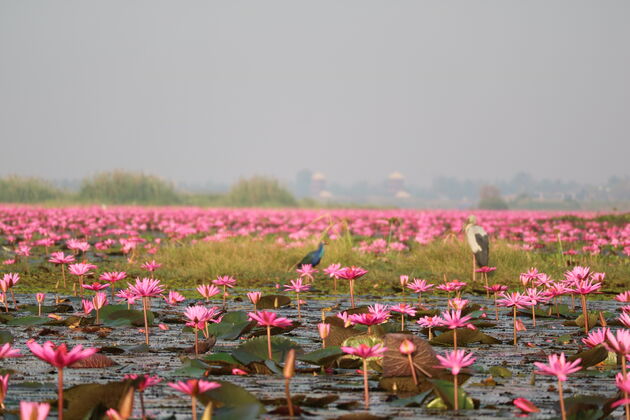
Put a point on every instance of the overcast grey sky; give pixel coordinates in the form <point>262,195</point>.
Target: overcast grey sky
<point>199,91</point>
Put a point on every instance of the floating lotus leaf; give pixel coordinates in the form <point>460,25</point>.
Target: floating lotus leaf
<point>465,336</point>
<point>232,326</point>
<point>94,399</point>
<point>445,391</point>
<point>273,302</point>
<point>591,357</point>
<point>255,349</point>
<point>120,316</point>
<point>229,395</point>
<point>322,357</point>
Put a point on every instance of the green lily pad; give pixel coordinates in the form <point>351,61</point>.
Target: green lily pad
<point>500,372</point>
<point>445,391</point>
<point>192,368</point>
<point>591,357</point>
<point>28,320</point>
<point>465,336</point>
<point>414,401</point>
<point>255,350</point>
<point>232,326</point>
<point>120,316</point>
<point>221,358</point>
<point>273,302</point>
<point>5,337</point>
<point>322,357</point>
<point>368,340</point>
<point>230,396</point>
<point>84,399</point>
<point>243,412</point>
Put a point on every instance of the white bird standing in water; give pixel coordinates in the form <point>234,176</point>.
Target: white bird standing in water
<point>479,244</point>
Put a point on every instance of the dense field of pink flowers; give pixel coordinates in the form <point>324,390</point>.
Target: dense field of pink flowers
<point>91,343</point>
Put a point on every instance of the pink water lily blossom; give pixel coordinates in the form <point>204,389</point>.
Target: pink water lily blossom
<point>33,410</point>
<point>6,351</point>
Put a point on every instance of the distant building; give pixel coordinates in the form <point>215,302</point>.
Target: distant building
<point>318,184</point>
<point>396,185</point>
<point>303,183</point>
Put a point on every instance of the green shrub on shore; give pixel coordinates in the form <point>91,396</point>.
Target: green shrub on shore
<point>19,189</point>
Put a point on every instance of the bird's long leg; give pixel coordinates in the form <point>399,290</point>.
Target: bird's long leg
<point>474,273</point>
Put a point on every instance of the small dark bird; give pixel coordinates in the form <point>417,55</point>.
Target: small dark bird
<point>314,257</point>
<point>477,239</point>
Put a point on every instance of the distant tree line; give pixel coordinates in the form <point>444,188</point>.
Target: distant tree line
<point>123,187</point>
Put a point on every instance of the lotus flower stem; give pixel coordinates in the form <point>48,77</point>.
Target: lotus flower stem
<point>298,303</point>
<point>455,393</point>
<point>39,309</point>
<point>533,315</point>
<point>13,297</point>
<point>194,407</point>
<point>146,321</point>
<point>402,322</point>
<point>413,369</point>
<point>496,309</point>
<point>455,339</point>
<point>514,316</point>
<point>352,293</point>
<point>287,393</point>
<point>60,394</point>
<point>485,278</point>
<point>144,416</point>
<point>63,275</point>
<point>584,313</point>
<point>625,394</point>
<point>365,385</point>
<point>561,395</point>
<point>196,342</point>
<point>269,354</point>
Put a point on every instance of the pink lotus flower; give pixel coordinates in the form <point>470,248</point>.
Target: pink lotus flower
<point>306,270</point>
<point>531,275</point>
<point>515,300</point>
<point>80,269</point>
<point>332,270</point>
<point>227,281</point>
<point>59,357</point>
<point>142,382</point>
<point>365,352</point>
<point>194,387</point>
<point>239,372</point>
<point>11,279</point>
<point>618,342</point>
<point>454,319</point>
<point>324,331</point>
<point>207,291</point>
<point>151,266</point>
<point>404,279</point>
<point>268,320</point>
<point>173,298</point>
<point>146,287</point>
<point>351,274</point>
<point>457,303</point>
<point>113,276</point>
<point>525,405</point>
<point>95,286</point>
<point>419,286</point>
<point>561,369</point>
<point>87,306</point>
<point>623,297</point>
<point>33,410</point>
<point>455,360</point>
<point>127,295</point>
<point>297,286</point>
<point>60,258</point>
<point>558,367</point>
<point>596,337</point>
<point>6,351</point>
<point>254,297</point>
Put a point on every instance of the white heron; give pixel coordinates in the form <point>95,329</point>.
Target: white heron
<point>477,239</point>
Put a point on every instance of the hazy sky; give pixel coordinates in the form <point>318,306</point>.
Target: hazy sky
<point>210,91</point>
